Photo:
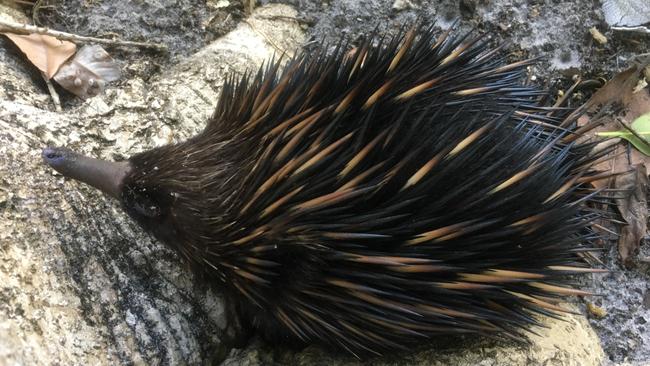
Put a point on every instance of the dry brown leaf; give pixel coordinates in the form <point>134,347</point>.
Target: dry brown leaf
<point>633,206</point>
<point>621,89</point>
<point>87,73</point>
<point>45,52</point>
<point>634,210</point>
<point>618,89</point>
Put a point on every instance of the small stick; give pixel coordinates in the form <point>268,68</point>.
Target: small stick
<point>23,2</point>
<point>53,93</point>
<point>266,38</point>
<point>17,28</point>
<point>249,6</point>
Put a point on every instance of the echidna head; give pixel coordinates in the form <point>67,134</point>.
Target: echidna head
<point>164,195</point>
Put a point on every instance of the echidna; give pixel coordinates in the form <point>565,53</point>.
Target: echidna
<point>369,199</point>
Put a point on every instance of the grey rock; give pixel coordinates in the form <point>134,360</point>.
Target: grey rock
<point>400,5</point>
<point>627,13</point>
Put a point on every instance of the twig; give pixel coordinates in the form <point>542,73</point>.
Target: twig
<point>249,6</point>
<point>36,9</point>
<point>53,93</point>
<point>17,28</point>
<point>639,29</point>
<point>268,40</point>
<point>24,2</point>
<point>300,20</point>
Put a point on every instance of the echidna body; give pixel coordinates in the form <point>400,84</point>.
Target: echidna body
<point>371,199</point>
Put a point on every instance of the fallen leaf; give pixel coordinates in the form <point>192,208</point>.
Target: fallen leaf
<point>45,52</point>
<point>640,138</point>
<point>629,107</point>
<point>634,210</point>
<point>620,90</point>
<point>88,72</point>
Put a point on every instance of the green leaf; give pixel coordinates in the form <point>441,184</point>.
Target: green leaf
<point>641,140</point>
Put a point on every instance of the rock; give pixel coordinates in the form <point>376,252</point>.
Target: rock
<point>467,8</point>
<point>627,13</point>
<point>400,5</point>
<point>567,342</point>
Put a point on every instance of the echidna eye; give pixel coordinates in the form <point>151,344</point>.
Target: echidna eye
<point>143,202</point>
<point>147,209</point>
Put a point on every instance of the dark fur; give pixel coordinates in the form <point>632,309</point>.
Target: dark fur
<point>350,272</point>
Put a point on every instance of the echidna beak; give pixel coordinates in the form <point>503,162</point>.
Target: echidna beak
<point>104,175</point>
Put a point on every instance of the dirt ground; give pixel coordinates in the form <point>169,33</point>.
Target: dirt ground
<point>556,32</point>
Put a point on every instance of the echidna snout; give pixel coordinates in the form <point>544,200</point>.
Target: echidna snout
<point>103,175</point>
<point>369,200</point>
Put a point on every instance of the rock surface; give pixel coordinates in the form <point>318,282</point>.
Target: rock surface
<point>568,342</point>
